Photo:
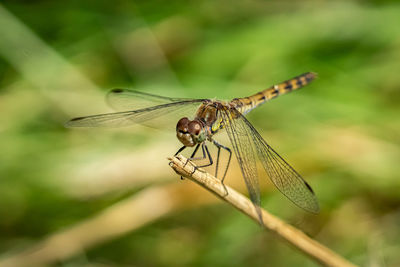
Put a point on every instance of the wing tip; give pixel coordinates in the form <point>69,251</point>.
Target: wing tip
<point>314,210</point>
<point>314,206</point>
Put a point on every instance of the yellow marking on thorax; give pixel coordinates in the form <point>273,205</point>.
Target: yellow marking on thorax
<point>216,125</point>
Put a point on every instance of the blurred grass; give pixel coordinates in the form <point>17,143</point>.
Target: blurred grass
<point>342,132</point>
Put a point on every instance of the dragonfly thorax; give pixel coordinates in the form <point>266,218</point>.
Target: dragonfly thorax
<point>191,132</point>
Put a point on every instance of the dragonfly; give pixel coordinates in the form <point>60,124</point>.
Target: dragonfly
<point>209,118</point>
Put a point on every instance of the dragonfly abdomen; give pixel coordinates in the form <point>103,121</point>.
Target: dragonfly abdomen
<point>246,104</point>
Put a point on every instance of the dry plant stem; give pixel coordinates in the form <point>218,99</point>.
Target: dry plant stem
<point>297,238</point>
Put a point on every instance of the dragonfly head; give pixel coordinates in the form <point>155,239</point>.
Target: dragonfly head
<point>190,132</point>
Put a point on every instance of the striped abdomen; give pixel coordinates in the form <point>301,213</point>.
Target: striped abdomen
<point>246,104</point>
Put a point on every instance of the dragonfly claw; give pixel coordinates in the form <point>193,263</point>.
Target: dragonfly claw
<point>195,168</point>
<point>225,189</point>
<point>187,161</point>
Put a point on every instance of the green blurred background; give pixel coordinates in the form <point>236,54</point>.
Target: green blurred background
<point>342,133</point>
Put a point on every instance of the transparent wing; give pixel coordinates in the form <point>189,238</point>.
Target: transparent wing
<point>284,177</point>
<point>154,116</point>
<point>126,99</point>
<point>238,133</point>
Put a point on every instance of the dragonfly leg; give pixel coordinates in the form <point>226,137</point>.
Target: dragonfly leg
<point>206,154</point>
<point>217,165</point>
<point>180,150</point>
<point>192,157</point>
<point>219,146</point>
<point>183,148</point>
<point>193,154</point>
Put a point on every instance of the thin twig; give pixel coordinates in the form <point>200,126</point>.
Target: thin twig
<point>297,238</point>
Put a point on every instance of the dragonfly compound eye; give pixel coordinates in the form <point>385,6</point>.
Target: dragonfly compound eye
<point>182,125</point>
<point>194,127</point>
<point>182,132</point>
